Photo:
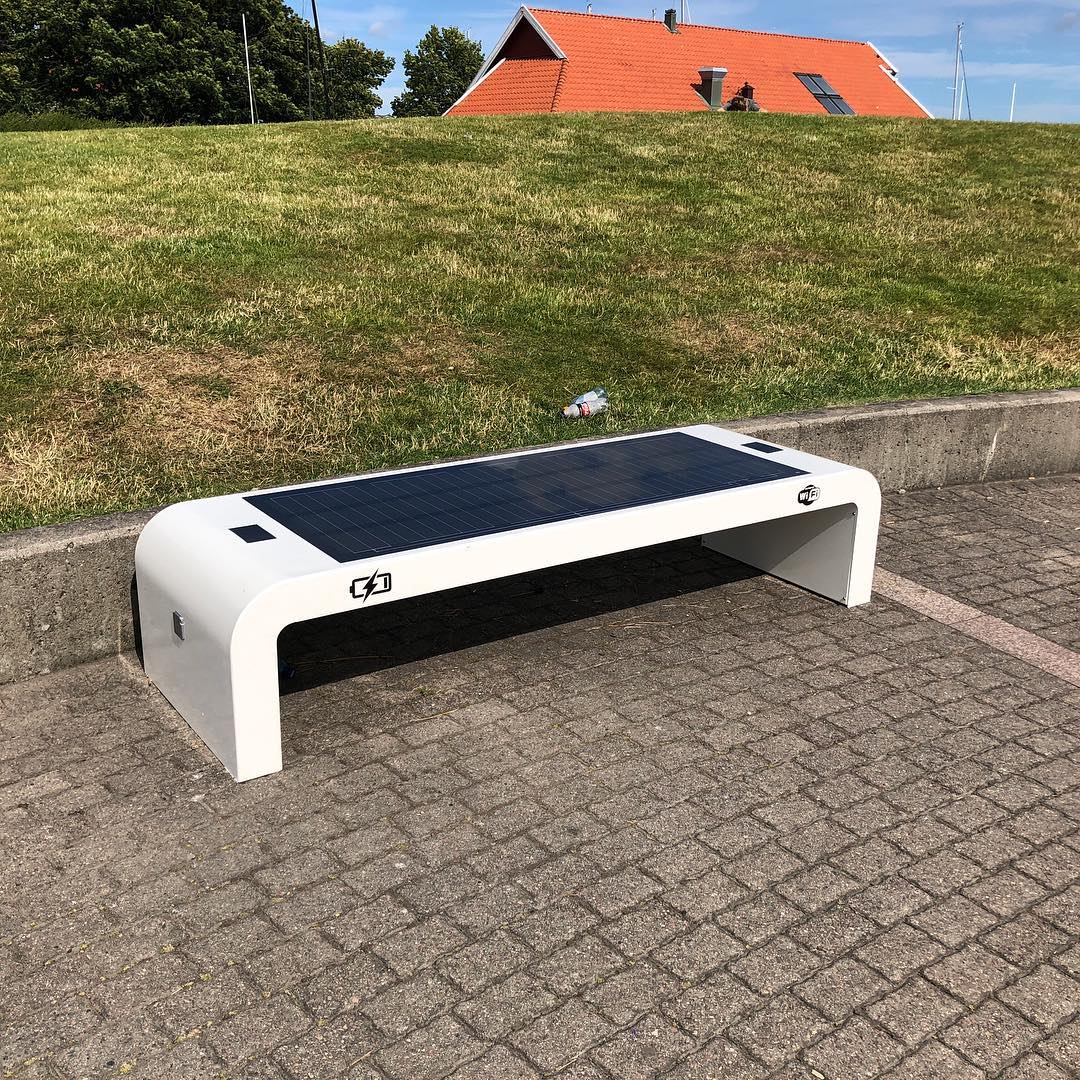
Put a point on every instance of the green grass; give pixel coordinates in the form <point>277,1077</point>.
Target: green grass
<point>50,120</point>
<point>186,311</point>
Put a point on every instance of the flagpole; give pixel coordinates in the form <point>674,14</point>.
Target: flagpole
<point>956,76</point>
<point>247,64</point>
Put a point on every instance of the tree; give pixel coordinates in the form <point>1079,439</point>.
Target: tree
<point>438,73</point>
<point>142,61</point>
<point>122,60</point>
<point>15,26</point>
<point>353,72</point>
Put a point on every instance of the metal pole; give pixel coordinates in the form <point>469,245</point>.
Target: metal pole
<point>307,65</point>
<point>956,75</point>
<point>1012,104</point>
<point>684,15</point>
<point>322,60</point>
<point>247,64</point>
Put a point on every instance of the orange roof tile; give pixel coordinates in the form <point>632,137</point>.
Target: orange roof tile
<point>514,86</point>
<point>615,64</point>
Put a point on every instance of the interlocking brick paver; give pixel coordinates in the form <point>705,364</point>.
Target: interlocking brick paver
<point>210,997</point>
<point>992,1036</point>
<point>632,992</point>
<point>841,988</point>
<point>306,954</point>
<point>932,1061</point>
<point>774,966</point>
<point>410,1004</point>
<point>953,920</point>
<point>835,932</point>
<point>718,1058</point>
<point>707,895</point>
<point>430,1052</point>
<point>1033,542</point>
<point>1006,893</point>
<point>857,1050</point>
<point>583,963</point>
<point>777,1033</point>
<point>1025,939</point>
<point>1046,996</point>
<point>258,1030</point>
<point>557,1038</point>
<point>1063,1048</point>
<point>764,834</point>
<point>900,951</point>
<point>645,1049</point>
<point>712,1005</point>
<point>1033,1067</point>
<point>699,952</point>
<point>506,1006</point>
<point>113,1049</point>
<point>1063,910</point>
<point>582,1070</point>
<point>643,929</point>
<point>972,973</point>
<point>760,918</point>
<point>817,887</point>
<point>480,964</point>
<point>914,1010</point>
<point>497,1064</point>
<point>418,946</point>
<point>330,1049</point>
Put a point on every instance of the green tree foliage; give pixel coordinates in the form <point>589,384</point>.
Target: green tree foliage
<point>15,25</point>
<point>142,61</point>
<point>437,74</point>
<point>353,72</point>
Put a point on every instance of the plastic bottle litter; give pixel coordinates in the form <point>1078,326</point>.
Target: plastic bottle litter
<point>595,401</point>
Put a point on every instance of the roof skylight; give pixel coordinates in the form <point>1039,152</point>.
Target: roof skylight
<point>826,96</point>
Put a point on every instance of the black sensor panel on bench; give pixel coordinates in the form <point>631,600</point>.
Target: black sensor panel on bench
<point>377,515</point>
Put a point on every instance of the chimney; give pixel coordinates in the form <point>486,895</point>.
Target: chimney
<point>712,86</point>
<point>670,21</point>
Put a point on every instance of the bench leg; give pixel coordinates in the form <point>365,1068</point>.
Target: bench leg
<point>256,726</point>
<point>221,676</point>
<point>829,551</point>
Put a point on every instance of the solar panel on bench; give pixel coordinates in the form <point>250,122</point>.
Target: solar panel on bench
<point>372,516</point>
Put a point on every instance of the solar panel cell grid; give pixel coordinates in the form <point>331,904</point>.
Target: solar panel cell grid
<point>377,515</point>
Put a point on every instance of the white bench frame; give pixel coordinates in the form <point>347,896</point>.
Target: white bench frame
<point>232,599</point>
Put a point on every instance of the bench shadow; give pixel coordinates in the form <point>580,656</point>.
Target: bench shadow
<point>136,624</point>
<point>343,646</point>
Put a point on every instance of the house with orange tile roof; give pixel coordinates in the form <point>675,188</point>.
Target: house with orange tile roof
<point>563,61</point>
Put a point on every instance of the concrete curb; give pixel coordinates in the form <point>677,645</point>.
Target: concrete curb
<point>67,595</point>
<point>909,445</point>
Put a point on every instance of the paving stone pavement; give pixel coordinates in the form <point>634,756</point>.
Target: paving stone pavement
<point>1014,549</point>
<point>649,816</point>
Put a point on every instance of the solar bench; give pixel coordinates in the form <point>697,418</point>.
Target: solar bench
<point>220,578</point>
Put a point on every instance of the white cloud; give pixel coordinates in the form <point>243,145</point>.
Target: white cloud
<point>373,21</point>
<point>939,65</point>
<point>1049,112</point>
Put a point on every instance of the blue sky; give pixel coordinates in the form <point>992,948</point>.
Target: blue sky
<point>1037,44</point>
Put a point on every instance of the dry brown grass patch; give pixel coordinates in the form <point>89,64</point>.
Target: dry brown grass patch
<point>202,402</point>
<point>727,336</point>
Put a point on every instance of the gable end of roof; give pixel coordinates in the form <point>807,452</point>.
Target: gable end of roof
<point>492,60</point>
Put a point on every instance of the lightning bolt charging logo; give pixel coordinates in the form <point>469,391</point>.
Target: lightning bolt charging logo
<point>364,587</point>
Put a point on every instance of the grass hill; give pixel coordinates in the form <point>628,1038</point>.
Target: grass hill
<point>185,311</point>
